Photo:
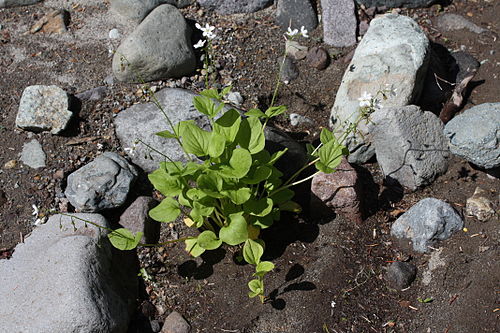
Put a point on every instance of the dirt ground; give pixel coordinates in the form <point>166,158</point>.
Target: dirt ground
<point>329,275</point>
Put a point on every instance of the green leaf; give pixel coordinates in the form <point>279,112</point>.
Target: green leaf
<point>208,240</point>
<point>256,287</point>
<point>238,196</point>
<point>253,251</point>
<point>264,221</point>
<point>193,248</point>
<point>211,93</point>
<point>167,211</point>
<point>226,91</point>
<point>255,113</point>
<point>210,183</point>
<point>236,232</point>
<point>310,150</point>
<point>205,105</point>
<point>195,140</point>
<point>275,111</point>
<point>166,184</point>
<point>124,239</point>
<point>290,206</point>
<point>239,164</point>
<point>257,174</point>
<point>251,135</point>
<point>228,125</point>
<point>166,134</point>
<point>202,210</point>
<point>326,136</point>
<point>277,155</point>
<point>282,196</point>
<point>330,156</point>
<point>260,207</point>
<point>217,145</point>
<point>263,267</point>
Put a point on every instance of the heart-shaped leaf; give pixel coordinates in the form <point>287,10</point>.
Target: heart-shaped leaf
<point>124,239</point>
<point>167,211</point>
<point>193,248</point>
<point>208,240</point>
<point>236,232</point>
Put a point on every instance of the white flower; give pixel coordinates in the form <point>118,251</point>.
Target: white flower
<point>200,43</point>
<point>207,30</point>
<point>35,210</point>
<point>365,100</point>
<point>332,303</point>
<point>303,32</point>
<point>291,32</point>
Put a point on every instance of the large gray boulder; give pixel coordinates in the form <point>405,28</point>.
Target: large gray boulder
<point>410,145</point>
<point>394,51</point>
<point>65,277</point>
<point>339,22</point>
<point>235,6</point>
<point>43,108</point>
<point>17,3</point>
<point>428,221</point>
<point>102,184</point>
<point>475,135</point>
<point>143,121</point>
<point>159,48</point>
<point>136,10</point>
<point>396,3</point>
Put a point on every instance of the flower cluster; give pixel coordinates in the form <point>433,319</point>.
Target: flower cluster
<point>294,32</point>
<point>367,100</point>
<point>208,32</point>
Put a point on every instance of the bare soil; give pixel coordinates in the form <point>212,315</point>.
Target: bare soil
<point>329,275</point>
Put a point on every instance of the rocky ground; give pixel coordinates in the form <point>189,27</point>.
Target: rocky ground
<point>330,275</point>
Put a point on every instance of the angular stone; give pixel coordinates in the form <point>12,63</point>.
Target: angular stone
<point>235,6</point>
<point>33,155</point>
<point>479,206</point>
<point>296,14</point>
<point>94,94</point>
<point>410,145</point>
<point>104,183</point>
<point>318,58</point>
<point>142,121</point>
<point>136,219</point>
<point>289,71</point>
<point>396,3</point>
<point>65,277</point>
<point>137,10</point>
<point>449,21</point>
<point>394,51</point>
<point>339,22</point>
<point>428,221</point>
<point>339,191</point>
<point>43,108</point>
<point>297,119</point>
<point>295,50</point>
<point>17,3</point>
<point>53,22</point>
<point>475,135</point>
<point>175,323</point>
<point>159,48</point>
<point>400,275</point>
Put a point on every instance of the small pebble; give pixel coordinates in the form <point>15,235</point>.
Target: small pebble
<point>114,34</point>
<point>10,164</point>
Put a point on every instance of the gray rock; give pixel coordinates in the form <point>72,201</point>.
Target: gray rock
<point>295,50</point>
<point>410,145</point>
<point>17,3</point>
<point>475,135</point>
<point>235,98</point>
<point>449,21</point>
<point>297,119</point>
<point>43,108</point>
<point>479,205</point>
<point>396,3</point>
<point>289,71</point>
<point>295,14</point>
<point>137,10</point>
<point>339,192</point>
<point>339,22</point>
<point>175,323</point>
<point>465,64</point>
<point>428,221</point>
<point>400,275</point>
<point>104,183</point>
<point>32,155</point>
<point>394,51</point>
<point>235,6</point>
<point>66,280</point>
<point>159,48</point>
<point>136,219</point>
<point>94,94</point>
<point>142,121</point>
